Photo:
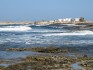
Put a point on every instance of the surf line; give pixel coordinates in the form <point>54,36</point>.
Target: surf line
<point>15,28</point>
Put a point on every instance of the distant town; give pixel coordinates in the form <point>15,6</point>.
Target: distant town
<point>61,21</point>
<point>65,20</point>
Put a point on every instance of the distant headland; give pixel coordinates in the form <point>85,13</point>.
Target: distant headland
<point>80,20</point>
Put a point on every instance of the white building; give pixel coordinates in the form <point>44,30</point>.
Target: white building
<point>76,19</point>
<point>67,20</point>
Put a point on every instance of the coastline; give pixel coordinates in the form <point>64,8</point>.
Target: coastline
<point>46,23</point>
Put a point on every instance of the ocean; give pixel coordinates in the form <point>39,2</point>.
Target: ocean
<point>55,35</point>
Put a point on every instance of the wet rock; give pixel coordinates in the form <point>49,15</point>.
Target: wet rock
<point>40,49</point>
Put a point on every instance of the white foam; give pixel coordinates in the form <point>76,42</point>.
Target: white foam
<point>45,31</point>
<point>15,28</point>
<point>85,32</point>
<point>72,25</point>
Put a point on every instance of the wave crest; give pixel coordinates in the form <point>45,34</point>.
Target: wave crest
<point>15,28</point>
<point>85,32</point>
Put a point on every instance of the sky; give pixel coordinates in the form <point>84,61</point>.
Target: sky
<point>35,10</point>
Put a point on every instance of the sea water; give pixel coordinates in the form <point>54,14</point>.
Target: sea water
<point>26,36</point>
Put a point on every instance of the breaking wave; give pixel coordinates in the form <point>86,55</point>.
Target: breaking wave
<point>15,28</point>
<point>85,32</point>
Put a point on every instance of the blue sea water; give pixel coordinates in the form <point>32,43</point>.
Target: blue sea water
<point>59,35</point>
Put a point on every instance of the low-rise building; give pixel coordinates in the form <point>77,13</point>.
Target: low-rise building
<point>67,20</point>
<point>76,19</point>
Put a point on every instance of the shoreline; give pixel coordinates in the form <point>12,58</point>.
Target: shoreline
<point>44,23</point>
<point>49,60</point>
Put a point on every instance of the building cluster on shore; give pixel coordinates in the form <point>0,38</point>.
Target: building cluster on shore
<point>70,20</point>
<point>64,20</point>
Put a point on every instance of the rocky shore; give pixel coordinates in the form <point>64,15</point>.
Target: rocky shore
<point>88,64</point>
<point>40,49</point>
<point>53,49</point>
<point>10,23</point>
<point>52,60</point>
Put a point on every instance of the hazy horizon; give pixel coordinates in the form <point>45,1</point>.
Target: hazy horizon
<point>34,10</point>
